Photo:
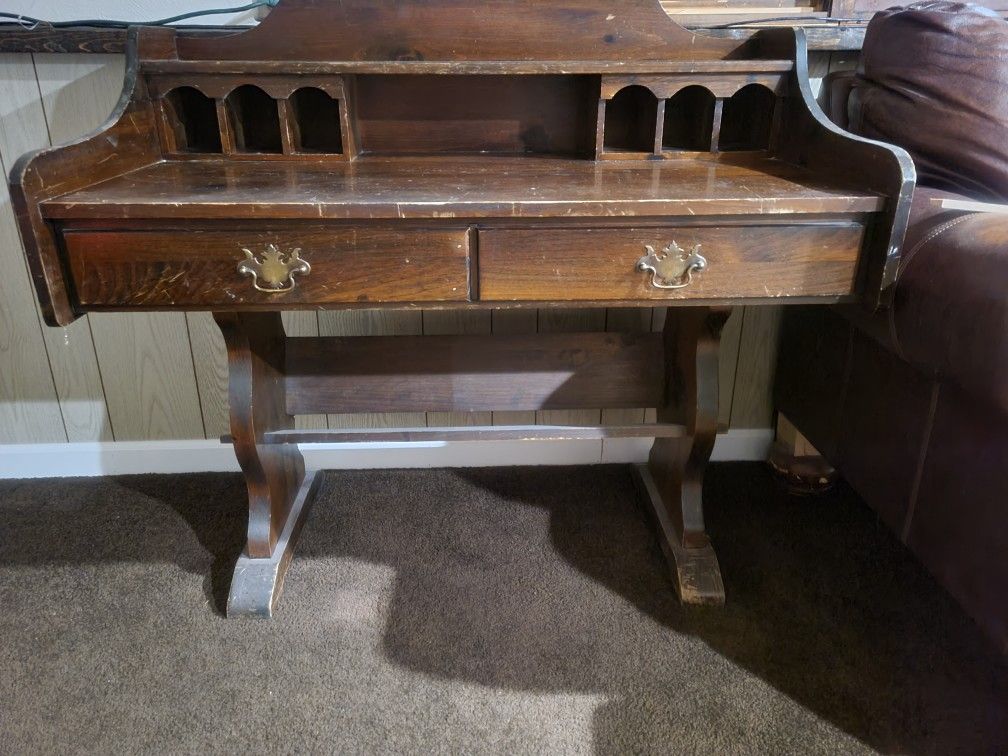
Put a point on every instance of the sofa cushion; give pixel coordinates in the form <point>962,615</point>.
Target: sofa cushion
<point>950,312</point>
<point>933,79</point>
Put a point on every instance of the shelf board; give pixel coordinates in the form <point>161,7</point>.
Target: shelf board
<point>463,188</point>
<point>473,433</point>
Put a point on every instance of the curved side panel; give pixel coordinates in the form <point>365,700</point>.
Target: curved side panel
<point>811,139</point>
<point>128,140</point>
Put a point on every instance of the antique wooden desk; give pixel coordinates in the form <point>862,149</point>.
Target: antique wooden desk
<point>463,154</point>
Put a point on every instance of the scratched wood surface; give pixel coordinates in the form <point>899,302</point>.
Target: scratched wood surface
<point>162,375</point>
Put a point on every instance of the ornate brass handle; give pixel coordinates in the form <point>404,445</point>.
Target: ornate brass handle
<point>674,267</point>
<point>276,272</point>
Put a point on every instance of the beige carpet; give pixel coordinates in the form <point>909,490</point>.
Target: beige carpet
<point>451,611</point>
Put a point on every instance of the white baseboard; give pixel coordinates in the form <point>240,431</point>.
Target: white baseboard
<point>134,457</point>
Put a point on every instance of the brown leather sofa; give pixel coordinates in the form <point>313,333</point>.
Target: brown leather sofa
<point>911,403</point>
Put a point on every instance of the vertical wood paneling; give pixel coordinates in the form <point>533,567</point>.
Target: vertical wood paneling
<point>438,322</point>
<point>731,336</point>
<point>752,397</point>
<point>514,322</point>
<point>163,375</point>
<point>373,323</point>
<point>570,320</point>
<point>77,95</point>
<point>140,354</point>
<point>29,407</point>
<point>147,370</point>
<point>304,323</point>
<point>209,358</point>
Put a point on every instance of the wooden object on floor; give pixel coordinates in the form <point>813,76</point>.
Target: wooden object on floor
<point>461,157</point>
<point>673,476</point>
<point>798,464</point>
<point>279,493</point>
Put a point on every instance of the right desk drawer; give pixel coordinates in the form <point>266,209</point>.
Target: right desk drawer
<point>668,262</point>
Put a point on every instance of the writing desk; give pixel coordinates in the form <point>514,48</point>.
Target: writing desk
<point>457,155</point>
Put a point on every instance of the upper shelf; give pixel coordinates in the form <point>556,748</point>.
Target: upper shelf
<point>464,187</point>
<point>549,66</point>
<point>461,30</point>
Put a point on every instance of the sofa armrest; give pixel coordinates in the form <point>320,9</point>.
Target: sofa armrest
<point>836,89</point>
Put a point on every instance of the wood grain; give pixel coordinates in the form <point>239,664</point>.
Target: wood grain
<point>29,407</point>
<point>348,265</point>
<point>476,373</point>
<point>633,320</point>
<point>600,264</point>
<point>514,322</point>
<point>397,188</point>
<point>571,321</point>
<point>372,323</point>
<point>464,30</point>
<point>752,401</point>
<point>77,94</point>
<point>457,322</point>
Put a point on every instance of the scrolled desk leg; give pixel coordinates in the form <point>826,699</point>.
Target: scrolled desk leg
<point>672,480</point>
<point>279,491</point>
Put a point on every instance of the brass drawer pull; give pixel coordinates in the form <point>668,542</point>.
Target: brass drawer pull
<point>275,272</point>
<point>674,267</point>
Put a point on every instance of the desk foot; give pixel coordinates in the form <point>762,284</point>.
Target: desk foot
<point>672,479</point>
<point>695,572</point>
<point>258,582</point>
<point>278,488</point>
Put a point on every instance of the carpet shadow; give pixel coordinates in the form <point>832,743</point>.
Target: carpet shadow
<point>70,521</point>
<point>550,580</point>
<point>823,604</point>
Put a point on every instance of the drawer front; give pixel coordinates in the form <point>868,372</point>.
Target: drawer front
<point>665,263</point>
<point>211,268</point>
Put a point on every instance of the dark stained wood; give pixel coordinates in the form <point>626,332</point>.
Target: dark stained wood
<point>477,433</point>
<point>592,264</point>
<point>807,137</point>
<point>463,154</point>
<point>127,141</point>
<point>83,39</point>
<point>256,353</point>
<point>489,114</point>
<point>473,373</point>
<point>470,187</point>
<point>279,496</point>
<point>47,39</point>
<point>673,477</point>
<point>463,30</point>
<point>363,266</point>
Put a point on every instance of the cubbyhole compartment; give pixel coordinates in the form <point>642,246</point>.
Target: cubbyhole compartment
<point>631,117</point>
<point>536,114</point>
<point>689,120</point>
<point>254,119</point>
<point>192,119</point>
<point>747,119</point>
<point>316,121</point>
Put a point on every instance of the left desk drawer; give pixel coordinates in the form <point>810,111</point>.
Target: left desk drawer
<point>316,266</point>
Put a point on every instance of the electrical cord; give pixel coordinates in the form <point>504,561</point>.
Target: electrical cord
<point>29,22</point>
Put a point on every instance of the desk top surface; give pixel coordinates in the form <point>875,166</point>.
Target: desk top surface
<point>462,187</point>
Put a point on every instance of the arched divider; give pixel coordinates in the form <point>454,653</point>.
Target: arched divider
<point>254,120</point>
<point>631,118</point>
<point>191,120</point>
<point>747,119</point>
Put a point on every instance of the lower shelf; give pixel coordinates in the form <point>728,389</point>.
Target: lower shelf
<point>474,433</point>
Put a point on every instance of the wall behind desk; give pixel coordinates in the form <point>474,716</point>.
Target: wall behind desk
<point>130,377</point>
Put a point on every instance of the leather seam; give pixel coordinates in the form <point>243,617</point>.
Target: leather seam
<point>905,263</point>
<point>921,460</point>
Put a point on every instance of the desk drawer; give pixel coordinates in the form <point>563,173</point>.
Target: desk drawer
<point>817,259</point>
<point>334,265</point>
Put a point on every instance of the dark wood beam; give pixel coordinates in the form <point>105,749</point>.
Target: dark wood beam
<point>88,39</point>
